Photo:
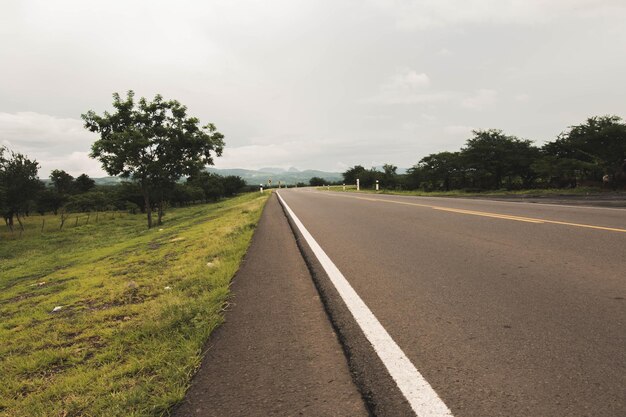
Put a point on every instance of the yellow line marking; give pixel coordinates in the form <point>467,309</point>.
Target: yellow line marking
<point>492,215</point>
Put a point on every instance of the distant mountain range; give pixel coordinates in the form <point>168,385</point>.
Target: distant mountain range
<point>285,176</point>
<point>254,177</point>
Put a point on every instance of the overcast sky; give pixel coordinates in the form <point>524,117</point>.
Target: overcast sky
<point>322,84</point>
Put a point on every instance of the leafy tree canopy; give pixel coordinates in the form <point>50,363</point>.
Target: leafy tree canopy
<point>18,183</point>
<point>351,175</point>
<point>601,140</point>
<point>61,181</point>
<point>83,183</point>
<point>153,142</point>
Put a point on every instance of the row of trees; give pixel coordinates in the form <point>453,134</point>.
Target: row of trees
<point>154,143</point>
<point>22,193</point>
<point>151,144</point>
<point>592,153</point>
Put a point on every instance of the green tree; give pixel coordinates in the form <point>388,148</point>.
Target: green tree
<point>19,184</point>
<point>211,184</point>
<point>3,188</point>
<point>154,143</point>
<point>62,185</point>
<point>128,192</point>
<point>443,170</point>
<point>414,177</point>
<point>353,173</point>
<point>389,177</point>
<point>83,183</point>
<point>491,157</point>
<point>61,181</point>
<point>233,184</point>
<point>593,148</point>
<point>317,182</point>
<point>89,201</point>
<point>49,200</point>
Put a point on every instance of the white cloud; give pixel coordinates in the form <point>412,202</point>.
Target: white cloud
<point>522,97</point>
<point>480,100</point>
<point>33,128</point>
<point>464,131</point>
<point>56,143</point>
<point>427,14</point>
<point>296,153</point>
<point>407,86</point>
<point>410,126</point>
<point>75,163</point>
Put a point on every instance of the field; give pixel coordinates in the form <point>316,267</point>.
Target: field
<point>110,318</point>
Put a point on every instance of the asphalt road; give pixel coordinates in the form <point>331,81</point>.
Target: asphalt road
<point>506,309</point>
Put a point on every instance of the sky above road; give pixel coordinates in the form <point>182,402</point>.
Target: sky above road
<point>321,84</point>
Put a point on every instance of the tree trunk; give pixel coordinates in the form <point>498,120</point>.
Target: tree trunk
<point>146,199</point>
<point>160,216</point>
<point>9,220</point>
<point>20,222</point>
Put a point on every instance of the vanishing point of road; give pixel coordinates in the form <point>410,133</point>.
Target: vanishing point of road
<point>505,309</point>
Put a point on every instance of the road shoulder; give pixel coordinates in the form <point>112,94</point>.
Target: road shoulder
<point>277,353</point>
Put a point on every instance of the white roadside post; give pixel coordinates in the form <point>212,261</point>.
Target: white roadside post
<point>327,187</point>
<point>358,184</point>
<point>376,185</point>
<point>344,187</point>
<point>261,188</point>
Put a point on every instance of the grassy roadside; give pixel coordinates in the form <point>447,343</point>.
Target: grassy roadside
<point>137,306</point>
<point>581,191</point>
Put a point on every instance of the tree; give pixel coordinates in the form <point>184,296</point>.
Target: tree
<point>83,183</point>
<point>596,147</point>
<point>61,181</point>
<point>4,206</point>
<point>211,184</point>
<point>389,177</point>
<point>317,182</point>
<point>441,170</point>
<point>491,157</point>
<point>49,200</point>
<point>62,185</point>
<point>154,143</point>
<point>353,173</point>
<point>414,177</point>
<point>128,192</point>
<point>89,201</point>
<point>184,194</point>
<point>19,184</point>
<point>232,185</point>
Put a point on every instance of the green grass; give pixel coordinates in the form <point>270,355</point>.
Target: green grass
<point>494,193</point>
<point>137,307</point>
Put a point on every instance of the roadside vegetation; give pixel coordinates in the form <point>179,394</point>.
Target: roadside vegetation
<point>590,157</point>
<point>99,314</point>
<point>110,318</point>
<point>156,149</point>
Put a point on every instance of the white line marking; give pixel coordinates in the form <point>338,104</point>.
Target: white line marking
<point>423,399</point>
